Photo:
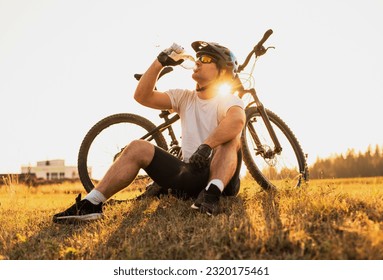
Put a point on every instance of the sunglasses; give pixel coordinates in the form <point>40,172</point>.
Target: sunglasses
<point>205,59</point>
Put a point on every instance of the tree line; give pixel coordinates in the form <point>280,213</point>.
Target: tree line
<point>351,164</point>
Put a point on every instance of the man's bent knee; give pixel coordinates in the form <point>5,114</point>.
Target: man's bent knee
<point>140,151</point>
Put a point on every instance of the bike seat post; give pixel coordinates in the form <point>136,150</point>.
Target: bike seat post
<point>165,115</point>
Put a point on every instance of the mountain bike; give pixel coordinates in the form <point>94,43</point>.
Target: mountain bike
<point>271,152</point>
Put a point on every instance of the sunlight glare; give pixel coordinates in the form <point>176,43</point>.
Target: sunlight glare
<point>224,89</point>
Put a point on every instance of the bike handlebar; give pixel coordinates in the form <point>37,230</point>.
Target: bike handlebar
<point>258,50</point>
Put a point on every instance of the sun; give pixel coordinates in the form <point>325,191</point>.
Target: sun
<point>224,89</point>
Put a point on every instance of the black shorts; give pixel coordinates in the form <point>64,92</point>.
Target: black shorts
<point>171,172</point>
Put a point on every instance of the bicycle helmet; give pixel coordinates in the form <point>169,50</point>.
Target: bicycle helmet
<point>224,57</point>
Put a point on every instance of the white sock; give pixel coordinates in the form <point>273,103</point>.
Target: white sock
<point>216,182</point>
<point>95,197</point>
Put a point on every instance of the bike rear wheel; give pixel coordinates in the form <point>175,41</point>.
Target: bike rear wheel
<point>106,140</point>
<point>287,168</point>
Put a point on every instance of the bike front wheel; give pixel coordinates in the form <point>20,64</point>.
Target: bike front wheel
<point>106,140</point>
<point>268,166</point>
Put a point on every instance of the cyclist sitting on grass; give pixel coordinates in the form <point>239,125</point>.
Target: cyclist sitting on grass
<point>211,128</point>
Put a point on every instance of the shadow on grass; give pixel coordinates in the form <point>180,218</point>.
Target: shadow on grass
<point>51,242</point>
<point>168,228</point>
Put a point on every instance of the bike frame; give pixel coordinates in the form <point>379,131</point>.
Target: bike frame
<point>166,125</point>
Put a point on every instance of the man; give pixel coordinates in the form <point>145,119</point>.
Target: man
<point>211,128</point>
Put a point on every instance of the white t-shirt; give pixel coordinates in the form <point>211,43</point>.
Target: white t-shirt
<point>199,117</point>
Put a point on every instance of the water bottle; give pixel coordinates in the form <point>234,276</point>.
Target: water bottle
<point>189,61</point>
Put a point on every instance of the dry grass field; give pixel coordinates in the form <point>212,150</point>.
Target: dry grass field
<point>327,219</point>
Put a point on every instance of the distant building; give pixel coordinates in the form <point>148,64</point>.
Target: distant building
<point>52,170</point>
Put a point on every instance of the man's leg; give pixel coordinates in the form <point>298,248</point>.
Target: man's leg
<point>222,169</point>
<point>136,155</point>
<point>224,162</point>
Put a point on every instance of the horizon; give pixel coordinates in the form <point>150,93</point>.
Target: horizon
<point>331,156</point>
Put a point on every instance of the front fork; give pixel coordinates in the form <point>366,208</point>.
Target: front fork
<point>262,111</point>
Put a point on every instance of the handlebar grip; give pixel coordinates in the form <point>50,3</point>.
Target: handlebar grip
<point>265,37</point>
<point>138,76</point>
<point>258,50</point>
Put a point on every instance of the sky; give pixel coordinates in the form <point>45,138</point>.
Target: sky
<point>64,65</point>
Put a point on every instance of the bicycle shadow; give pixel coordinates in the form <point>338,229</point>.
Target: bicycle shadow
<point>277,238</point>
<point>143,228</point>
<point>148,226</point>
<point>152,228</point>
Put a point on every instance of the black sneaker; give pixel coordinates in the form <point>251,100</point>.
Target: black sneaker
<point>208,201</point>
<point>82,210</point>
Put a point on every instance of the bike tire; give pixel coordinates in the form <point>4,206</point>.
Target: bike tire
<point>287,169</point>
<point>124,122</point>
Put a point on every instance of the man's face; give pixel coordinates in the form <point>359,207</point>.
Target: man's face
<point>206,70</point>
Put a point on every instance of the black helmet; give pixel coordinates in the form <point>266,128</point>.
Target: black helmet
<point>225,58</point>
